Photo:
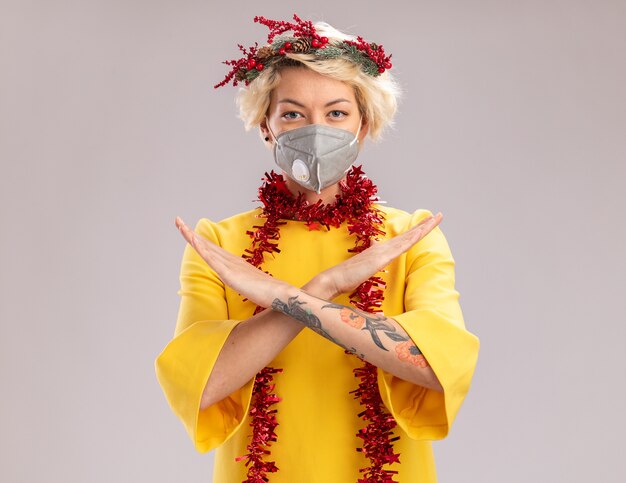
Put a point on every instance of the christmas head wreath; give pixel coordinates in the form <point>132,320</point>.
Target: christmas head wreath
<point>304,39</point>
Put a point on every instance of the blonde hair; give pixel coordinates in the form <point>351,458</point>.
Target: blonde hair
<point>377,97</point>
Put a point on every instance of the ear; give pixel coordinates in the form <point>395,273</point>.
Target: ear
<point>265,134</point>
<point>264,131</point>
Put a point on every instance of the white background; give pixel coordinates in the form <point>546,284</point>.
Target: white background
<point>513,125</point>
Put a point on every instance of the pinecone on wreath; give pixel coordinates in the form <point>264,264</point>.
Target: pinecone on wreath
<point>301,45</point>
<point>265,52</point>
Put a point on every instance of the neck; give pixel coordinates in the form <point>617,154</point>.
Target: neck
<point>327,195</point>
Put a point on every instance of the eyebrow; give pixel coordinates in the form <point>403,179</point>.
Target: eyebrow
<point>293,101</point>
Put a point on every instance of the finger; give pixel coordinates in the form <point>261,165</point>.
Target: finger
<point>217,257</point>
<point>425,226</point>
<point>391,248</point>
<point>185,231</point>
<point>434,221</point>
<point>431,219</point>
<point>403,242</point>
<point>422,229</point>
<point>200,244</point>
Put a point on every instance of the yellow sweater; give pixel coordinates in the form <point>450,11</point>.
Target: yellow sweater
<point>317,417</point>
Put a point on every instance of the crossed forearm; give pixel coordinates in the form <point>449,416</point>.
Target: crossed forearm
<point>378,339</point>
<point>250,346</point>
<point>255,342</point>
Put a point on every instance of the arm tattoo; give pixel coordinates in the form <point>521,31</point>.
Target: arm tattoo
<point>409,352</point>
<point>406,351</point>
<point>369,322</point>
<point>293,309</point>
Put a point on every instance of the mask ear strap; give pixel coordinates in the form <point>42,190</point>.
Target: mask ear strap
<point>356,136</point>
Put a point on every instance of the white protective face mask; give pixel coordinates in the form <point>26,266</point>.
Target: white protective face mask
<point>316,156</point>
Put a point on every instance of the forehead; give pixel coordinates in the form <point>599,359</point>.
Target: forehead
<point>310,87</point>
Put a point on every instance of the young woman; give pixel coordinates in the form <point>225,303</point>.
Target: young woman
<point>319,336</point>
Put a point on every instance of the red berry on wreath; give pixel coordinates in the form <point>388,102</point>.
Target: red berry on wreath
<point>282,51</point>
<point>287,45</point>
<point>324,40</point>
<point>259,66</point>
<point>315,43</point>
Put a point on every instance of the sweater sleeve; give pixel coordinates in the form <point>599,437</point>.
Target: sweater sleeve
<point>183,367</point>
<point>434,321</point>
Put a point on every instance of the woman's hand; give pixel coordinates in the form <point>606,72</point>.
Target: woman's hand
<point>347,276</point>
<point>235,272</point>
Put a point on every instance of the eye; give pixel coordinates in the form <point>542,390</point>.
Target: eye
<point>337,114</point>
<point>291,115</point>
